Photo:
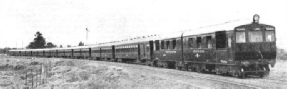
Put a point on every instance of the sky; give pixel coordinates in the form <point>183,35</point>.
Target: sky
<point>64,22</point>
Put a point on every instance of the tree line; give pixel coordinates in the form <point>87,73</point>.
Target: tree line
<point>40,42</point>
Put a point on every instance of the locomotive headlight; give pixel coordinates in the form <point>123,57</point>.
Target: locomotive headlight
<point>256,18</point>
<point>245,63</point>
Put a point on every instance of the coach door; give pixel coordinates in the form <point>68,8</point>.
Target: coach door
<point>113,52</point>
<point>151,49</point>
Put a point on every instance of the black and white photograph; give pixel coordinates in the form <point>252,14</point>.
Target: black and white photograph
<point>143,44</point>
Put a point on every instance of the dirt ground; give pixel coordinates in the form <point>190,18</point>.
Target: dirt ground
<point>279,72</point>
<point>58,73</point>
<point>54,73</point>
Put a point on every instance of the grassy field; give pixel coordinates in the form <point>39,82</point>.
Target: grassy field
<point>56,73</point>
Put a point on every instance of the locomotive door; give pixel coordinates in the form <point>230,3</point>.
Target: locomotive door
<point>221,47</point>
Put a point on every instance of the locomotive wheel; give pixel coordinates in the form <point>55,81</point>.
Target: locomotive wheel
<point>119,60</point>
<point>177,67</point>
<point>242,75</point>
<point>261,75</point>
<point>184,68</point>
<point>189,68</point>
<point>198,69</point>
<point>155,63</point>
<point>165,65</point>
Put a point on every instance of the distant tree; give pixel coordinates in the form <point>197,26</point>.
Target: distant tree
<point>50,45</point>
<point>61,46</point>
<point>5,50</point>
<point>38,42</point>
<point>68,45</point>
<point>81,44</point>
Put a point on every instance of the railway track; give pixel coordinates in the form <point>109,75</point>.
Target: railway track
<point>223,82</point>
<point>275,81</point>
<point>229,83</point>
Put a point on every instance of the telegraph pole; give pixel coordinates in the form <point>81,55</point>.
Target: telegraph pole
<point>87,35</point>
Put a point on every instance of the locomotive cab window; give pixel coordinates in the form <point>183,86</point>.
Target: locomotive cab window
<point>270,36</point>
<point>240,37</point>
<point>255,36</point>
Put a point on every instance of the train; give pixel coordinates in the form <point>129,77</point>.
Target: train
<point>238,49</point>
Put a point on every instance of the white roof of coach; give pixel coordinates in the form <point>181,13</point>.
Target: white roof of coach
<point>230,25</point>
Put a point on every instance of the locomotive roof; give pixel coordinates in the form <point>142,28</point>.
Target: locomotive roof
<point>227,26</point>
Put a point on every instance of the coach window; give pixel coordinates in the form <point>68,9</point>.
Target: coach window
<point>198,42</point>
<point>167,44</point>
<point>208,42</point>
<point>157,45</point>
<point>190,42</point>
<point>240,37</point>
<point>255,36</point>
<point>173,43</point>
<point>162,44</point>
<point>270,36</point>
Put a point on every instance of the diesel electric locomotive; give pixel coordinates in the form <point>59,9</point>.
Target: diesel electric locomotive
<point>230,48</point>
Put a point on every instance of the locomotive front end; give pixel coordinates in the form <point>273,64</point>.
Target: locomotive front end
<point>255,48</point>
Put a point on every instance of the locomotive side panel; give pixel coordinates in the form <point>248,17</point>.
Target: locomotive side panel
<point>200,48</point>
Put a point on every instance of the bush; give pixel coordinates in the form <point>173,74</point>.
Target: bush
<point>34,63</point>
<point>73,77</point>
<point>6,67</point>
<point>64,63</point>
<point>19,67</point>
